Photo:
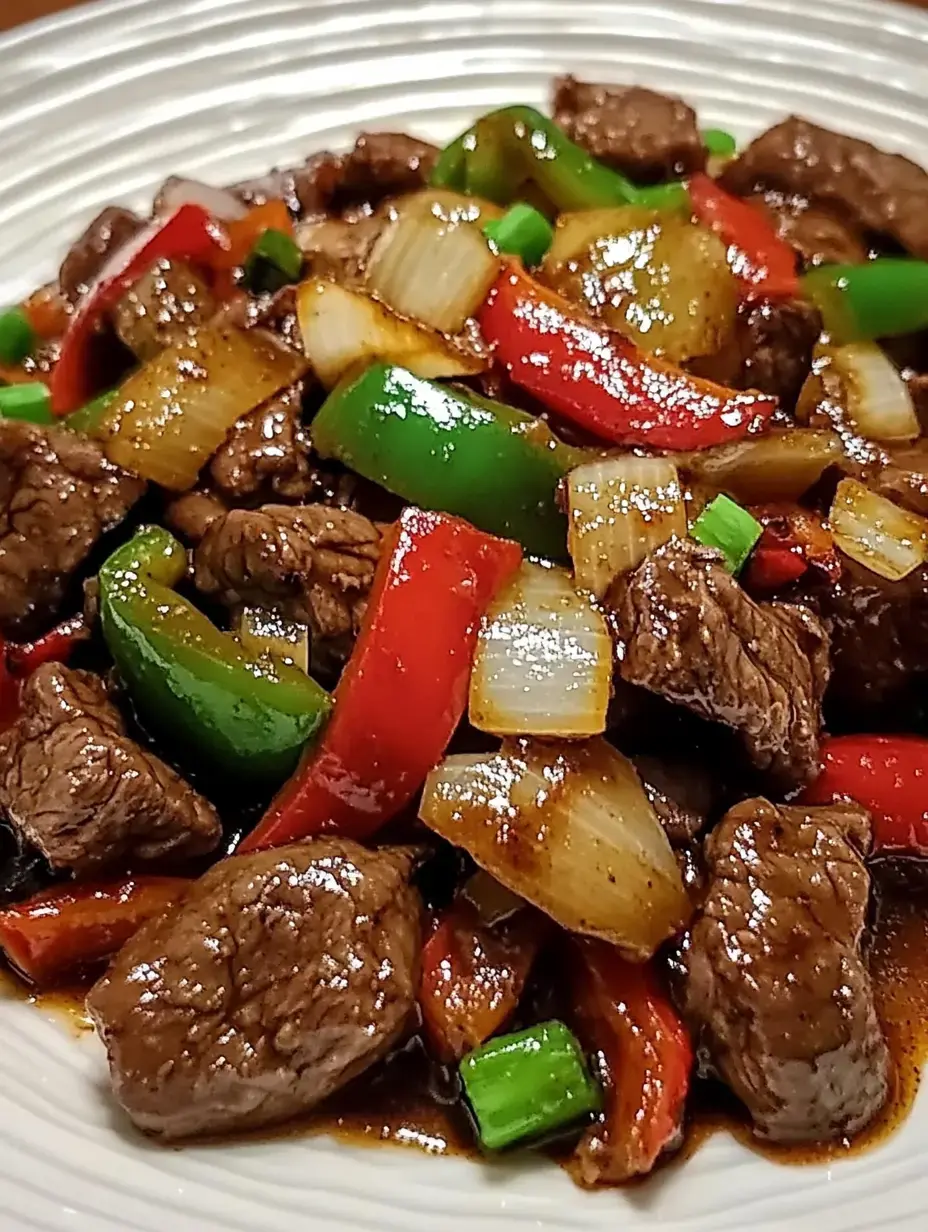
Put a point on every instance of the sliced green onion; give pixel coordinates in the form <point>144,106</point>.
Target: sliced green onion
<point>17,337</point>
<point>523,232</point>
<point>30,401</point>
<point>274,261</point>
<point>528,1084</point>
<point>718,143</point>
<point>87,418</point>
<point>723,524</point>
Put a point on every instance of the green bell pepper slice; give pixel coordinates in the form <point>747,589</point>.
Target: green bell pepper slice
<point>509,148</point>
<point>451,451</point>
<point>877,299</point>
<point>193,683</point>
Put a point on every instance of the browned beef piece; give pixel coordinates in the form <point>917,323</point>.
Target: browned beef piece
<point>338,248</point>
<point>687,631</point>
<point>160,308</point>
<point>879,192</point>
<point>774,984</point>
<point>313,563</point>
<point>819,234</point>
<point>647,136</point>
<point>58,494</point>
<point>191,514</point>
<point>77,788</point>
<point>279,977</point>
<point>267,452</point>
<point>88,255</point>
<point>275,313</point>
<point>900,473</point>
<point>918,389</point>
<point>681,792</point>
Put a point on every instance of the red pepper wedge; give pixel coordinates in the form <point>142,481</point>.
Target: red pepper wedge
<point>71,927</point>
<point>763,263</point>
<point>601,381</point>
<point>404,689</point>
<point>623,1014</point>
<point>887,775</point>
<point>189,233</point>
<point>56,646</point>
<point>773,564</point>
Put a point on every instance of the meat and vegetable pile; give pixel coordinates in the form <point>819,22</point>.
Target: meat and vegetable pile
<point>478,597</point>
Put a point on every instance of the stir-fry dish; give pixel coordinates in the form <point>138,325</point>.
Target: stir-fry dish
<point>471,605</point>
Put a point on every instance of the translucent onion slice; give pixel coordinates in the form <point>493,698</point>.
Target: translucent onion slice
<point>876,533</point>
<point>568,827</point>
<point>543,665</point>
<point>776,466</point>
<point>173,413</point>
<point>343,329</point>
<point>446,205</point>
<point>859,387</point>
<point>268,633</point>
<point>619,509</point>
<point>434,271</point>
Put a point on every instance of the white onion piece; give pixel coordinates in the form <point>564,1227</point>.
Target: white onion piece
<point>619,509</point>
<point>568,827</point>
<point>775,466</point>
<point>543,665</point>
<point>219,201</point>
<point>444,204</point>
<point>344,329</point>
<point>878,534</point>
<point>268,633</point>
<point>859,387</point>
<point>436,272</point>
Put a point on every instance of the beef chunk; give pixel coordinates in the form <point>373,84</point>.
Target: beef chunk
<point>687,631</point>
<point>338,248</point>
<point>160,308</point>
<point>900,473</point>
<point>818,233</point>
<point>102,239</point>
<point>681,792</point>
<point>279,977</point>
<point>267,452</point>
<point>647,136</point>
<point>774,983</point>
<point>275,313</point>
<point>191,514</point>
<point>878,192</point>
<point>313,563</point>
<point>77,788</point>
<point>58,494</point>
<point>776,339</point>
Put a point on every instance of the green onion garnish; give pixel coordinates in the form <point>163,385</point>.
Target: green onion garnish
<point>718,143</point>
<point>86,419</point>
<point>528,1084</point>
<point>723,524</point>
<point>30,401</point>
<point>523,232</point>
<point>273,262</point>
<point>17,337</point>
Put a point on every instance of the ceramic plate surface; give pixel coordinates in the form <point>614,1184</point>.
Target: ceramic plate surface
<point>100,105</point>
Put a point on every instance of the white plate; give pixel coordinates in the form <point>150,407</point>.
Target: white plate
<point>99,105</point>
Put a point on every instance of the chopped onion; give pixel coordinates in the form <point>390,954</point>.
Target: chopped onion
<point>543,665</point>
<point>445,205</point>
<point>568,827</point>
<point>776,466</point>
<point>222,204</point>
<point>344,329</point>
<point>876,533</point>
<point>172,414</point>
<point>433,271</point>
<point>858,387</point>
<point>268,633</point>
<point>619,509</point>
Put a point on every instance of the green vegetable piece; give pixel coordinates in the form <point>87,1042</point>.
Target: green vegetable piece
<point>878,299</point>
<point>528,1085</point>
<point>274,261</point>
<point>193,683</point>
<point>17,337</point>
<point>30,401</point>
<point>723,524</point>
<point>87,419</point>
<point>452,451</point>
<point>718,143</point>
<point>522,231</point>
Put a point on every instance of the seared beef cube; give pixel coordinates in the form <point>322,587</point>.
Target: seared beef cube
<point>773,980</point>
<point>312,563</point>
<point>108,232</point>
<point>688,632</point>
<point>159,309</point>
<point>191,514</point>
<point>274,312</point>
<point>87,796</point>
<point>776,339</point>
<point>267,452</point>
<point>58,495</point>
<point>878,192</point>
<point>681,792</point>
<point>279,977</point>
<point>647,136</point>
<point>818,233</point>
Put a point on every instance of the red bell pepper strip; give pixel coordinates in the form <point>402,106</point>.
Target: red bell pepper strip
<point>601,381</point>
<point>773,564</point>
<point>404,689</point>
<point>64,929</point>
<point>763,263</point>
<point>623,1014</point>
<point>793,539</point>
<point>56,646</point>
<point>887,775</point>
<point>189,233</point>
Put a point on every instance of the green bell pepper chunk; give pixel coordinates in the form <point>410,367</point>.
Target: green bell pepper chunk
<point>192,682</point>
<point>517,145</point>
<point>452,451</point>
<point>878,299</point>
